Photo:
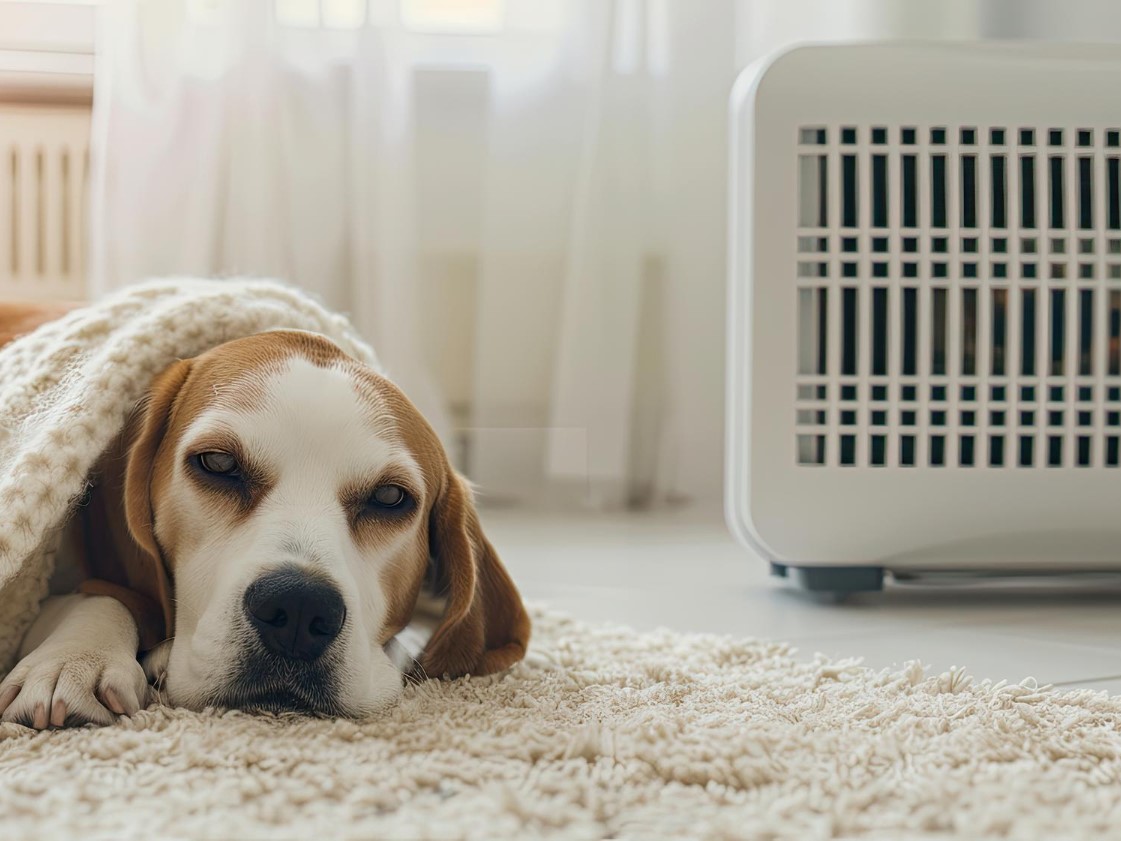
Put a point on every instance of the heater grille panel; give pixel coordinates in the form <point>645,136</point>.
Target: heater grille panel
<point>924,330</point>
<point>958,296</point>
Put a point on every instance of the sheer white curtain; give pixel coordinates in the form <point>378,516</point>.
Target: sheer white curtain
<point>521,203</point>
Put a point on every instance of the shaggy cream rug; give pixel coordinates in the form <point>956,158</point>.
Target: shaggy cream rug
<point>602,733</point>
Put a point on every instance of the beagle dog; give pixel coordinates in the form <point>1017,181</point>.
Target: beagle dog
<point>257,537</point>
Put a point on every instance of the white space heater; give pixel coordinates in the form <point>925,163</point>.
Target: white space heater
<point>925,311</point>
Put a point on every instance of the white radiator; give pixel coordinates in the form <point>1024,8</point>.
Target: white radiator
<point>925,311</point>
<point>44,180</point>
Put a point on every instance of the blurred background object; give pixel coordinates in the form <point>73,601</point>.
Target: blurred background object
<point>521,203</point>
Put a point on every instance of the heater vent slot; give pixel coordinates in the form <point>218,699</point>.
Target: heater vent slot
<point>958,297</point>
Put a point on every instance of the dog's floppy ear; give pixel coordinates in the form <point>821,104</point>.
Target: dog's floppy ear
<point>134,571</point>
<point>485,628</point>
<point>153,580</point>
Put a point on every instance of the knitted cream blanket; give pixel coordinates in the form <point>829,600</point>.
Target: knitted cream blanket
<point>66,391</point>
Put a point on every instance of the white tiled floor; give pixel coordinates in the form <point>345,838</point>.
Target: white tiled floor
<point>682,570</point>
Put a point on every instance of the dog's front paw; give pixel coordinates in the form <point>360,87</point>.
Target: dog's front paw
<point>59,686</point>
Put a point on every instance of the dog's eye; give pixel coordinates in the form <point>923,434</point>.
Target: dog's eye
<point>388,496</point>
<point>220,464</point>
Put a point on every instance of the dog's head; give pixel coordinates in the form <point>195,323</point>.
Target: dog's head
<point>292,503</point>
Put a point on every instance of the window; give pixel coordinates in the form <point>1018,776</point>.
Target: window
<point>327,14</point>
<point>463,16</point>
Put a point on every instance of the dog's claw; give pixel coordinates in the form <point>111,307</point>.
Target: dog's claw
<point>110,699</point>
<point>7,697</point>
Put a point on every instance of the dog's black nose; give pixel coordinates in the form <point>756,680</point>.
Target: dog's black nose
<point>296,615</point>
